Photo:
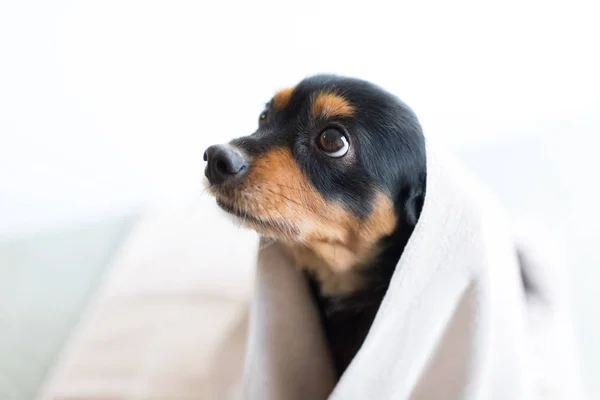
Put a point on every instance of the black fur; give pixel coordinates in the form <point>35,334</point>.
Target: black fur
<point>388,155</point>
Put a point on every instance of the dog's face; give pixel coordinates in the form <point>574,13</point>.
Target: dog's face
<point>333,167</point>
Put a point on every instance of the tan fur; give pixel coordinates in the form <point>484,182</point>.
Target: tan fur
<point>337,265</point>
<point>328,239</point>
<point>282,98</point>
<point>330,105</point>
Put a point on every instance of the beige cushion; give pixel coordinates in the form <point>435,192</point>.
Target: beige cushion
<point>169,321</point>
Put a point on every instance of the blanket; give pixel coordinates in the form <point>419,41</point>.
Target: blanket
<point>475,310</point>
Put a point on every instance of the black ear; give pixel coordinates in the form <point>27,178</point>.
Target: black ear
<point>413,206</point>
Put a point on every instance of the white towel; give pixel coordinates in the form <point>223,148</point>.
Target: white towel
<point>454,324</point>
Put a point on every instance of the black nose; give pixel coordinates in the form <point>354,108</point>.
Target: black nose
<point>224,162</point>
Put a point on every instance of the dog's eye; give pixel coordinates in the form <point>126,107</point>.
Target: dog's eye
<point>333,143</point>
<point>262,118</point>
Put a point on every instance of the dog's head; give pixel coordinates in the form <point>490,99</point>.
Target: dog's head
<point>335,165</point>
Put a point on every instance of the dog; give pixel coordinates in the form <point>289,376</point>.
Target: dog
<point>336,172</point>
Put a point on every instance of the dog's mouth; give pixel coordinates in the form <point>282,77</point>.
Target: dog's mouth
<point>260,224</point>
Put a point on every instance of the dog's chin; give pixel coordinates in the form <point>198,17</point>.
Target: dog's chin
<point>263,226</point>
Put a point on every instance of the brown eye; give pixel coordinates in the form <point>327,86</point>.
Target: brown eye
<point>262,118</point>
<point>333,143</point>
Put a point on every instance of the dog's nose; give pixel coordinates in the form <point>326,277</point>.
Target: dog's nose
<point>223,163</point>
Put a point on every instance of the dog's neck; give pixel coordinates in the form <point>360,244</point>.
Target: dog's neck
<point>340,270</point>
<point>336,268</point>
<point>338,255</point>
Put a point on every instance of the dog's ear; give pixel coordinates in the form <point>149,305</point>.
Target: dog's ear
<point>413,206</point>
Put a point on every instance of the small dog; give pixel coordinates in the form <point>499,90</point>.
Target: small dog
<point>336,172</point>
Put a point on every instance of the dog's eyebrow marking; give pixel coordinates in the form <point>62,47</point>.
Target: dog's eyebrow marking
<point>329,105</point>
<point>282,98</point>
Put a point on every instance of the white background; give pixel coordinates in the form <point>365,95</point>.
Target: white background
<point>107,106</point>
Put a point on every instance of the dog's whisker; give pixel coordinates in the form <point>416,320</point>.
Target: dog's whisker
<point>297,189</point>
<point>325,217</point>
<point>243,215</point>
<point>266,245</point>
<point>204,191</point>
<point>246,216</point>
<point>283,219</point>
